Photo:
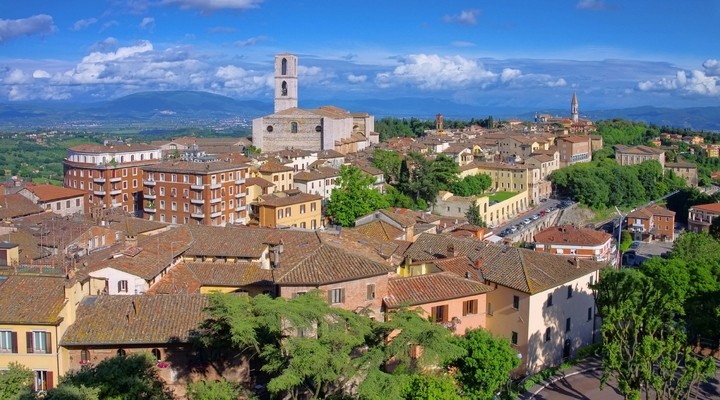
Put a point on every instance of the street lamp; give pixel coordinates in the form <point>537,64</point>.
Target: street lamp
<point>619,238</point>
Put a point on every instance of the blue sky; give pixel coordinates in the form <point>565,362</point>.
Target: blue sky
<point>513,53</point>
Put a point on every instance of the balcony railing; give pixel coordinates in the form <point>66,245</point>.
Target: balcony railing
<point>99,192</point>
<point>115,179</point>
<point>99,180</point>
<point>215,214</point>
<point>215,200</point>
<point>198,215</point>
<point>197,186</point>
<point>239,195</point>
<point>150,196</point>
<point>115,192</point>
<point>240,181</point>
<point>215,186</point>
<point>197,201</point>
<point>150,209</point>
<point>149,183</point>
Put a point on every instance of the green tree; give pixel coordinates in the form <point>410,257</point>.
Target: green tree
<point>72,392</point>
<point>212,390</point>
<point>486,365</point>
<point>715,229</point>
<point>354,197</point>
<point>389,163</point>
<point>473,215</point>
<point>424,387</point>
<point>122,378</point>
<point>644,344</point>
<point>15,382</point>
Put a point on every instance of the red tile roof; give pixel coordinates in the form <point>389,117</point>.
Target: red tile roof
<point>572,235</point>
<point>430,288</point>
<point>712,207</point>
<point>16,205</point>
<point>137,319</point>
<point>51,192</point>
<point>31,299</point>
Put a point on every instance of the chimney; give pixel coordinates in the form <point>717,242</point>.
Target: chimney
<point>479,263</point>
<point>577,262</point>
<point>136,306</point>
<point>451,250</point>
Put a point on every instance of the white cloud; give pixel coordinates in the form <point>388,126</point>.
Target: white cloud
<point>15,77</point>
<point>40,74</point>
<point>35,25</point>
<point>83,23</point>
<point>509,74</point>
<point>213,5</point>
<point>242,81</point>
<point>695,82</point>
<point>315,75</point>
<point>466,17</point>
<point>352,78</point>
<point>250,41</point>
<point>433,72</point>
<point>591,5</point>
<point>147,22</point>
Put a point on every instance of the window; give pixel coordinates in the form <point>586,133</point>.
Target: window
<point>370,290</point>
<point>302,208</point>
<point>8,342</point>
<point>173,192</point>
<point>567,325</point>
<point>313,206</point>
<point>570,292</point>
<point>514,338</point>
<point>589,313</point>
<point>84,356</point>
<point>470,307</point>
<point>39,342</point>
<point>489,309</point>
<point>298,294</point>
<point>280,213</point>
<point>336,296</point>
<point>121,352</point>
<point>592,279</point>
<point>157,354</point>
<point>439,314</point>
<point>516,302</point>
<point>122,286</point>
<point>162,191</point>
<point>287,211</point>
<point>549,300</point>
<point>42,381</point>
<point>548,332</point>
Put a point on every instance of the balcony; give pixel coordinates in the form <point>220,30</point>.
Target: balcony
<point>197,201</point>
<point>215,214</point>
<point>240,208</point>
<point>198,215</point>
<point>240,181</point>
<point>239,195</point>
<point>215,186</point>
<point>197,187</point>
<point>99,192</point>
<point>149,183</point>
<point>149,196</point>
<point>150,209</point>
<point>215,200</point>
<point>115,179</point>
<point>99,180</point>
<point>115,192</point>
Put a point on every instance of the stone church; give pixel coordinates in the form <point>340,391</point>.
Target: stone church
<point>324,128</point>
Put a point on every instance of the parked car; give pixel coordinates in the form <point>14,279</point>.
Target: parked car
<point>526,221</point>
<point>535,217</point>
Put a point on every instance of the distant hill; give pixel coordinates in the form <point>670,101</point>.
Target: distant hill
<point>174,109</point>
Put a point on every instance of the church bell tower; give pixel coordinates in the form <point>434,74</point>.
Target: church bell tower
<point>286,89</point>
<point>574,111</point>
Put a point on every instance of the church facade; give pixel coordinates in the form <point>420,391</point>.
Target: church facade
<point>324,128</point>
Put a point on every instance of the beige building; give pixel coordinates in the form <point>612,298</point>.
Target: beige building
<point>632,155</point>
<point>684,169</point>
<point>701,216</point>
<point>280,175</point>
<point>574,149</point>
<point>290,209</point>
<point>60,200</point>
<point>493,214</point>
<point>324,128</point>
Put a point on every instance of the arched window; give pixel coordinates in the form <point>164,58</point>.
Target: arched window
<point>121,352</point>
<point>283,89</point>
<point>157,354</point>
<point>283,67</point>
<point>293,127</point>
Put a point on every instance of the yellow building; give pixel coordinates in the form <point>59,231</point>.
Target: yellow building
<point>505,177</point>
<point>291,208</point>
<point>280,175</point>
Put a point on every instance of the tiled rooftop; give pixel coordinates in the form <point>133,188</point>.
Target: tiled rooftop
<point>572,235</point>
<point>31,299</point>
<point>431,288</point>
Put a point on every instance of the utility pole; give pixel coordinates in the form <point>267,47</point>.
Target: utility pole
<point>619,238</point>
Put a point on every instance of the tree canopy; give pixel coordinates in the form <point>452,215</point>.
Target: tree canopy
<point>354,196</point>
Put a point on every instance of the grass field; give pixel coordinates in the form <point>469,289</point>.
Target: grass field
<point>501,196</point>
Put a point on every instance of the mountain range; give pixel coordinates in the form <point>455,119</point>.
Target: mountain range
<point>193,108</point>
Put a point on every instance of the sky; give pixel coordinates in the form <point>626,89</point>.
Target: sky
<point>512,53</point>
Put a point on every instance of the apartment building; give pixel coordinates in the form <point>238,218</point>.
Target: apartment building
<point>574,149</point>
<point>701,216</point>
<point>290,209</point>
<point>576,241</point>
<point>320,181</point>
<point>280,175</point>
<point>632,155</point>
<point>110,174</point>
<point>184,192</point>
<point>652,223</point>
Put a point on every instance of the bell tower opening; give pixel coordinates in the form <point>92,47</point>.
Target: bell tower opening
<point>286,84</point>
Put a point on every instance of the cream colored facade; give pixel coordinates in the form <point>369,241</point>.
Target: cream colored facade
<point>305,212</point>
<point>283,180</point>
<point>529,323</point>
<point>450,205</point>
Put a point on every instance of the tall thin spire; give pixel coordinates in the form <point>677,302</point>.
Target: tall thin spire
<point>574,111</point>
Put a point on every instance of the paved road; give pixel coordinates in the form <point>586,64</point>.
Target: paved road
<point>584,386</point>
<point>532,211</point>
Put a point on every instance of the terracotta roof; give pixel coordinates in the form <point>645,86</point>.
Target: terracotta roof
<point>277,200</point>
<point>52,192</point>
<point>644,150</point>
<point>329,264</point>
<point>658,210</point>
<point>178,280</point>
<point>574,139</point>
<point>379,229</point>
<point>230,274</point>
<point>31,299</point>
<point>430,247</point>
<point>137,319</point>
<point>329,153</point>
<point>430,288</point>
<point>401,219</point>
<point>332,112</point>
<point>461,266</point>
<point>134,226</point>
<point>359,244</point>
<point>316,174</point>
<point>712,207</point>
<point>272,167</point>
<point>529,271</point>
<point>263,183</point>
<point>572,235</point>
<point>216,241</point>
<point>16,205</point>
